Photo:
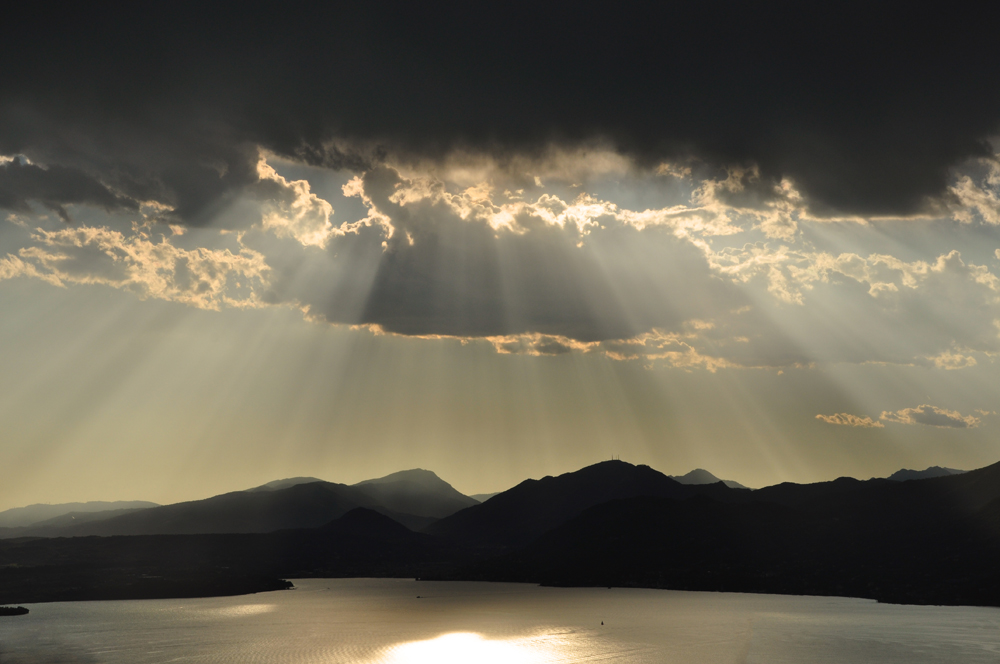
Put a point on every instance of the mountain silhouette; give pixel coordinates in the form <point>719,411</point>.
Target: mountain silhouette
<point>934,471</point>
<point>923,541</point>
<point>34,514</point>
<point>285,483</point>
<point>483,497</point>
<point>419,492</point>
<point>519,515</point>
<point>285,504</point>
<point>365,524</point>
<point>702,476</point>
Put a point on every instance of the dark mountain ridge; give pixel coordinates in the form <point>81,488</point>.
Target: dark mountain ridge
<point>906,474</point>
<point>298,506</point>
<point>932,540</point>
<point>702,476</point>
<point>285,483</point>
<point>419,492</point>
<point>925,541</point>
<point>60,525</point>
<point>519,515</point>
<point>414,498</point>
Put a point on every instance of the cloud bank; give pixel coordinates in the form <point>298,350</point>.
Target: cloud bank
<point>865,114</point>
<point>597,189</point>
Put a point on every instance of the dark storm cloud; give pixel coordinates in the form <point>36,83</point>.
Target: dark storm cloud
<point>55,187</point>
<point>865,110</point>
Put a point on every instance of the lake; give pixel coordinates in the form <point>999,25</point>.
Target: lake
<point>383,621</point>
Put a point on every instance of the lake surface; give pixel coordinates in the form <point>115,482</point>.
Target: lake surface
<point>382,621</point>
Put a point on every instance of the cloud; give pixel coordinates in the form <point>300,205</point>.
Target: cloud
<point>931,416</point>
<point>539,273</point>
<point>773,207</point>
<point>473,262</point>
<point>551,269</point>
<point>539,344</point>
<point>917,311</point>
<point>203,278</point>
<point>952,360</point>
<point>292,210</point>
<point>654,347</point>
<point>54,188</point>
<point>973,199</point>
<point>857,115</point>
<point>846,419</point>
<point>792,272</point>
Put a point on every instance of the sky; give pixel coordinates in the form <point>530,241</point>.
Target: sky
<point>497,242</point>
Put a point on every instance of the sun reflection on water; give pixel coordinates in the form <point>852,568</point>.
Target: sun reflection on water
<point>466,648</point>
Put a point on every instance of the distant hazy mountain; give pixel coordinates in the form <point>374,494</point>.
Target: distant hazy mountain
<point>60,526</point>
<point>483,497</point>
<point>413,498</point>
<point>524,512</point>
<point>298,506</point>
<point>284,484</point>
<point>933,471</point>
<point>701,476</point>
<point>416,491</point>
<point>33,514</point>
<point>76,518</point>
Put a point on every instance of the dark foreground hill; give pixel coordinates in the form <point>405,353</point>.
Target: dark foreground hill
<point>931,540</point>
<point>360,543</point>
<point>704,544</point>
<point>923,541</point>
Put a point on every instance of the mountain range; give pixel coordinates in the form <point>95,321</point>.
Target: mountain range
<point>31,515</point>
<point>414,498</point>
<point>905,474</point>
<point>932,540</point>
<point>702,476</point>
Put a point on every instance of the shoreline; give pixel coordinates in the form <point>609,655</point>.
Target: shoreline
<point>289,584</point>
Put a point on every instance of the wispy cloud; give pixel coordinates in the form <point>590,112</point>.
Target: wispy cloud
<point>931,416</point>
<point>203,278</point>
<point>846,419</point>
<point>952,360</point>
